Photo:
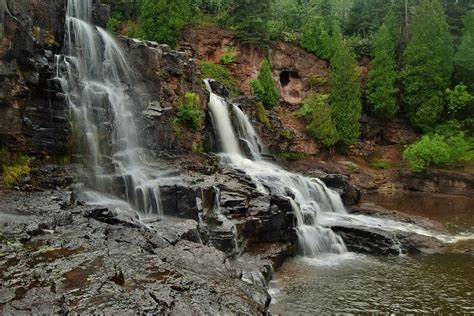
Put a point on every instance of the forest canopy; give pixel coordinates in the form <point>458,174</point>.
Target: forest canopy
<point>421,56</point>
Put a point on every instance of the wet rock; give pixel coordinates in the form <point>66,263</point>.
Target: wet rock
<point>369,240</point>
<point>439,181</point>
<point>180,201</point>
<point>350,194</point>
<point>90,265</point>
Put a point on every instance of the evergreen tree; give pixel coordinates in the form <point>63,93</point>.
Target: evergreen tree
<point>264,87</point>
<point>366,16</point>
<point>251,20</point>
<point>464,58</point>
<point>162,20</point>
<point>383,75</point>
<point>316,38</point>
<point>428,65</point>
<point>345,92</point>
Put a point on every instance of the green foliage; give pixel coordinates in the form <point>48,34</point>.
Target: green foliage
<point>197,147</point>
<point>188,113</point>
<point>316,38</point>
<point>439,151</point>
<point>251,21</point>
<point>220,74</point>
<point>114,21</point>
<point>464,58</point>
<point>291,156</point>
<point>352,167</point>
<point>380,165</point>
<point>313,81</point>
<point>428,65</point>
<point>286,134</point>
<point>287,20</point>
<point>381,89</point>
<point>366,17</point>
<point>264,87</point>
<point>458,98</point>
<point>162,20</point>
<point>229,56</point>
<point>13,167</point>
<point>262,114</point>
<point>345,93</point>
<point>321,127</point>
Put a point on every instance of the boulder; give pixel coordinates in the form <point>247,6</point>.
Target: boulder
<point>350,193</point>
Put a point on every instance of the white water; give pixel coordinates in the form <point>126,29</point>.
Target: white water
<point>96,80</point>
<point>312,199</point>
<point>316,206</point>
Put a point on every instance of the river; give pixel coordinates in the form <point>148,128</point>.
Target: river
<point>353,283</point>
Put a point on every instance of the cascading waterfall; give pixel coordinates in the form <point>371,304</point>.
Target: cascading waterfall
<point>312,199</point>
<point>316,207</point>
<point>96,81</point>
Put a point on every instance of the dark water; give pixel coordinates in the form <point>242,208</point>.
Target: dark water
<point>441,283</point>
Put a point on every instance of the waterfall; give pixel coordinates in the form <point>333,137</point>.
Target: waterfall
<point>311,199</point>
<point>96,79</point>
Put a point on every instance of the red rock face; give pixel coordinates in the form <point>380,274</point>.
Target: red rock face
<point>291,65</point>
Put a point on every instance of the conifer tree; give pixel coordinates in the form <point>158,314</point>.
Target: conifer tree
<point>264,87</point>
<point>428,65</point>
<point>464,58</point>
<point>316,38</point>
<point>251,18</point>
<point>383,75</point>
<point>345,92</point>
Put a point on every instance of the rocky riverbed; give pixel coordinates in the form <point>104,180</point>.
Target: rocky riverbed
<point>56,258</point>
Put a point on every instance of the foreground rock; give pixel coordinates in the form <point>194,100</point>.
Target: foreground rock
<point>79,259</point>
<point>378,241</point>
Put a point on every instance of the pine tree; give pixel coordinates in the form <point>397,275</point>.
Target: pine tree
<point>316,38</point>
<point>345,92</point>
<point>264,87</point>
<point>162,20</point>
<point>251,19</point>
<point>366,16</point>
<point>383,75</point>
<point>428,65</point>
<point>464,58</point>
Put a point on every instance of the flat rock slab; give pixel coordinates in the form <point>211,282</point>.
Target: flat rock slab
<point>56,259</point>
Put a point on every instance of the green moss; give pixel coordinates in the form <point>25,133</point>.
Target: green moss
<point>380,165</point>
<point>286,133</point>
<point>262,114</point>
<point>352,167</point>
<point>291,156</point>
<point>197,147</point>
<point>220,74</point>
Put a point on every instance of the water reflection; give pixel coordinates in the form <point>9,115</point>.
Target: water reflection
<point>441,283</point>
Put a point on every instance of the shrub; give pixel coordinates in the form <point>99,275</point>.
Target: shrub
<point>321,126</point>
<point>188,113</point>
<point>113,22</point>
<point>458,98</point>
<point>162,20</point>
<point>229,56</point>
<point>314,81</point>
<point>438,151</point>
<point>264,87</point>
<point>262,114</point>
<point>220,74</point>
